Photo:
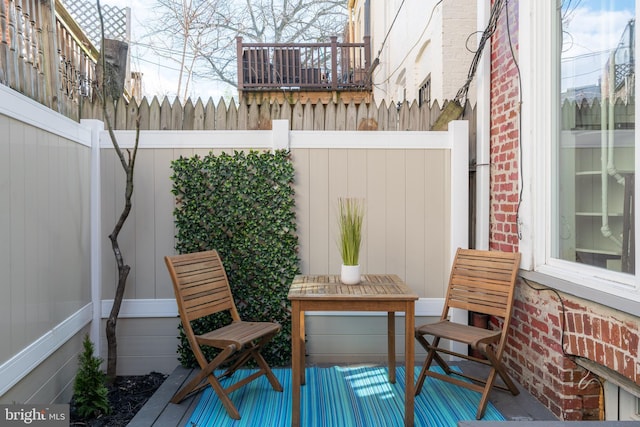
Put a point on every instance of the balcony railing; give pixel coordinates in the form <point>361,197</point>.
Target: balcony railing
<point>304,66</point>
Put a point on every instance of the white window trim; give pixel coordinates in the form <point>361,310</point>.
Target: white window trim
<point>537,33</point>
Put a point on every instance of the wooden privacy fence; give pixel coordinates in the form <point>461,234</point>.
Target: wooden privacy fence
<point>47,56</point>
<point>588,115</point>
<point>165,115</point>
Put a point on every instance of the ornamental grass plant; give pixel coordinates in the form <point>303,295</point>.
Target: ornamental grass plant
<point>350,217</point>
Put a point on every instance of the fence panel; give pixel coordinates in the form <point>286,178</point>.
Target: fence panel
<point>44,248</point>
<point>405,177</point>
<point>256,115</point>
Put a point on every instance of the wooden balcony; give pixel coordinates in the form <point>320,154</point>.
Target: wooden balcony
<point>319,72</point>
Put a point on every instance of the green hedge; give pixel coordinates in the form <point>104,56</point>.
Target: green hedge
<point>243,206</point>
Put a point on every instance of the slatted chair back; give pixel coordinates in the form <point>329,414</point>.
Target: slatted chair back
<point>482,282</point>
<point>201,285</point>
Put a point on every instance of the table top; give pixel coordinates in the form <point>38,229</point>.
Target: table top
<point>371,286</point>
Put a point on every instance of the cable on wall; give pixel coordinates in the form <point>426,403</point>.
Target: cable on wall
<point>496,8</point>
<point>454,109</point>
<point>565,353</point>
<point>390,28</point>
<point>424,30</point>
<point>520,164</point>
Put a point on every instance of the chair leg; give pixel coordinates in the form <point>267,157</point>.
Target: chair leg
<point>206,371</point>
<point>267,371</point>
<point>237,364</point>
<point>254,352</point>
<point>431,353</point>
<point>482,406</point>
<point>190,387</point>
<point>195,384</point>
<point>496,369</point>
<point>441,362</point>
<point>434,346</point>
<point>495,362</point>
<point>224,398</point>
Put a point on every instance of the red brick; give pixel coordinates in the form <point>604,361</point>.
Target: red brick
<point>586,324</point>
<point>615,335</point>
<point>581,349</point>
<point>609,356</point>
<point>630,340</point>
<point>574,305</point>
<point>629,367</point>
<point>571,324</point>
<point>591,349</point>
<point>619,360</point>
<point>605,329</point>
<point>591,402</point>
<point>599,355</point>
<point>573,344</point>
<point>578,323</point>
<point>572,415</point>
<point>540,325</point>
<point>596,324</point>
<point>552,344</point>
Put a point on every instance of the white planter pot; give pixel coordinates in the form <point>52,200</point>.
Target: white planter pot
<point>350,274</point>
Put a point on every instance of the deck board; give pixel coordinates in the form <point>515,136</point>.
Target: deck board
<point>159,411</point>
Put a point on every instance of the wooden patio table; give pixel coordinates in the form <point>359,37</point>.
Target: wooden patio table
<point>376,292</point>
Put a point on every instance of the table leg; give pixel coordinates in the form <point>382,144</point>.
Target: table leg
<point>391,345</point>
<point>303,351</point>
<point>409,357</point>
<point>297,341</point>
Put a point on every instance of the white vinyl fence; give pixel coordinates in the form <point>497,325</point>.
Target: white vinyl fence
<point>62,190</point>
<point>416,189</point>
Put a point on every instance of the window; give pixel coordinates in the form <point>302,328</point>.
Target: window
<point>596,142</point>
<point>577,213</point>
<point>620,405</point>
<point>424,92</point>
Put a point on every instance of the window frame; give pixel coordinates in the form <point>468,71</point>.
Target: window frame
<point>539,29</point>
<point>424,92</point>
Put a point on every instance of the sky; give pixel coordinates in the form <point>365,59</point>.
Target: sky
<point>159,77</point>
<point>591,29</point>
<point>594,28</point>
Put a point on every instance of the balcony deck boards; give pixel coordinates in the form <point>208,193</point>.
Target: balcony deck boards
<point>304,67</point>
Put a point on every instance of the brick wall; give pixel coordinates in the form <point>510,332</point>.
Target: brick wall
<point>549,329</point>
<point>535,356</point>
<point>504,136</point>
<point>541,356</point>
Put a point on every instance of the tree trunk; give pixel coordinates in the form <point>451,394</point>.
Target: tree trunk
<point>123,273</point>
<point>128,165</point>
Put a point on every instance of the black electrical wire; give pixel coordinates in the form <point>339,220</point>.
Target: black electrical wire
<point>390,27</point>
<point>520,165</point>
<point>497,6</point>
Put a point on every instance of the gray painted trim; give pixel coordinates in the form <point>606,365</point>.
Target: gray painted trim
<point>604,298</point>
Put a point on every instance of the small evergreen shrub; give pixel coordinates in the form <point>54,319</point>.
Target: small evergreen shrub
<point>90,394</point>
<point>243,206</point>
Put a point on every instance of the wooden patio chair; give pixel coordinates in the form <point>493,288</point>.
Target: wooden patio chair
<point>481,282</point>
<point>201,287</point>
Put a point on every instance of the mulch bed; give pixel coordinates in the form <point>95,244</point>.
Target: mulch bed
<point>127,395</point>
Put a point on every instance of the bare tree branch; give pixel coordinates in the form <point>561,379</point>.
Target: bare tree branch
<point>208,29</point>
